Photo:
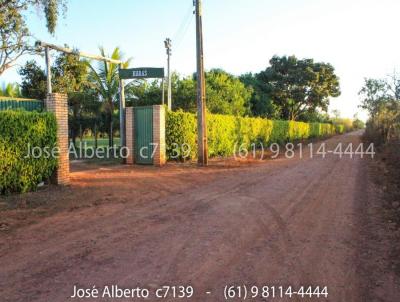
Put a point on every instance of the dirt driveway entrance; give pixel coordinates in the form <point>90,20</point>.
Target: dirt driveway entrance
<point>289,222</point>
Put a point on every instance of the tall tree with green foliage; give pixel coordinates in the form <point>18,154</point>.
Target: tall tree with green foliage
<point>298,86</point>
<point>33,83</point>
<point>226,94</point>
<point>374,93</point>
<point>184,94</point>
<point>261,103</point>
<point>14,32</point>
<point>105,80</point>
<point>381,98</point>
<point>70,74</point>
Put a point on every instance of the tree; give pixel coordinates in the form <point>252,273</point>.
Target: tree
<point>105,81</point>
<point>51,9</point>
<point>226,94</point>
<point>14,32</point>
<point>381,98</point>
<point>69,75</point>
<point>314,116</point>
<point>184,94</point>
<point>143,93</point>
<point>336,113</point>
<point>374,94</point>
<point>33,81</point>
<point>357,123</point>
<point>84,114</point>
<point>298,86</point>
<point>261,103</point>
<point>11,90</point>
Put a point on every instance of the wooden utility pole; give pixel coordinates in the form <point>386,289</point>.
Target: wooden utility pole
<point>167,43</point>
<point>201,91</point>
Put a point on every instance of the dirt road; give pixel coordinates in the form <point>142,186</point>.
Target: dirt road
<point>281,222</point>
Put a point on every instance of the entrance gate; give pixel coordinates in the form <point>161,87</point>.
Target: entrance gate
<point>143,135</point>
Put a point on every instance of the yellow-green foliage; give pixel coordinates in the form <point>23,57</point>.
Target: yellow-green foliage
<point>226,131</point>
<point>181,128</point>
<point>343,124</point>
<point>340,128</point>
<point>18,130</point>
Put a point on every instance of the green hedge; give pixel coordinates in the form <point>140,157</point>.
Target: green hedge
<point>18,130</point>
<point>224,131</point>
<point>340,129</point>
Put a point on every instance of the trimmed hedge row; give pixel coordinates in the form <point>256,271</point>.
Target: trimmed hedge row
<point>224,131</point>
<point>18,131</point>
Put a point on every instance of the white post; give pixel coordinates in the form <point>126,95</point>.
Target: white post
<point>48,69</point>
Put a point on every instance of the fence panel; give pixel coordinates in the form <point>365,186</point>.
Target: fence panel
<point>7,103</point>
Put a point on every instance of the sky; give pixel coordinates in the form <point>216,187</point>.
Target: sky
<point>358,37</point>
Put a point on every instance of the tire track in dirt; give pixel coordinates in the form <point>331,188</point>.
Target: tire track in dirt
<point>281,222</point>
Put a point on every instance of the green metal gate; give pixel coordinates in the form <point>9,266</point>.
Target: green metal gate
<point>143,136</point>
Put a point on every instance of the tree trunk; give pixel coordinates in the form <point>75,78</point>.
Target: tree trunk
<point>95,136</point>
<point>74,137</point>
<point>110,129</point>
<point>80,133</point>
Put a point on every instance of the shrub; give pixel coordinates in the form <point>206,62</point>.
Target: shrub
<point>18,130</point>
<point>226,132</point>
<point>180,128</point>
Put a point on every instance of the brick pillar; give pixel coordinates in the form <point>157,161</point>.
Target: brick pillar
<point>58,104</point>
<point>129,131</point>
<point>159,135</point>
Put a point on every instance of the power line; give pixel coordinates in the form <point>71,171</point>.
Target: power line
<point>183,28</point>
<point>185,20</point>
<point>178,43</point>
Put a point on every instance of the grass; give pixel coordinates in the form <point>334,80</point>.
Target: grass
<point>101,142</point>
<point>89,143</point>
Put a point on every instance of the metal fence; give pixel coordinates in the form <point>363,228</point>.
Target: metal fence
<point>9,103</point>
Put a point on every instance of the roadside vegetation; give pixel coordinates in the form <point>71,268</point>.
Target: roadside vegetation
<point>289,89</point>
<point>381,98</point>
<point>227,133</point>
<point>20,131</point>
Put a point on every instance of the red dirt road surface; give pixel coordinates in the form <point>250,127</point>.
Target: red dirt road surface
<point>283,222</point>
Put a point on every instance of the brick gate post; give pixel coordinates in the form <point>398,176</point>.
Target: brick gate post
<point>129,132</point>
<point>159,135</point>
<point>58,104</point>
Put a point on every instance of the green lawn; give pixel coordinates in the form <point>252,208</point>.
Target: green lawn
<point>89,142</point>
<point>101,142</point>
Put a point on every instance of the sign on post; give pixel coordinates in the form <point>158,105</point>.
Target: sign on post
<point>141,73</point>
